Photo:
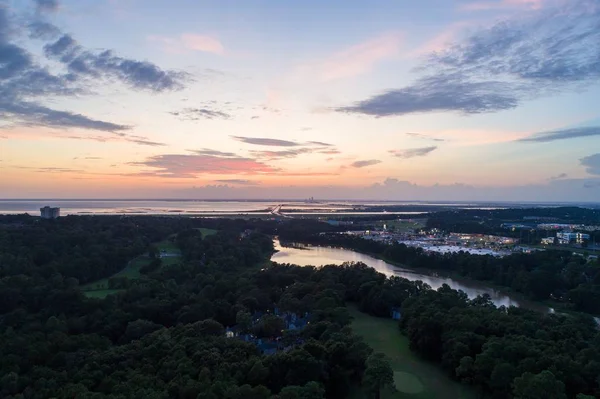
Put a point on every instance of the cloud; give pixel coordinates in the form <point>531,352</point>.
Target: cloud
<point>320,143</point>
<point>413,152</point>
<point>439,94</point>
<point>591,184</point>
<point>32,114</point>
<point>59,170</point>
<point>105,64</point>
<point>592,164</point>
<point>146,142</point>
<point>266,141</point>
<point>424,137</point>
<point>191,166</point>
<point>50,169</point>
<point>562,134</point>
<point>189,42</point>
<point>25,82</point>
<point>504,4</point>
<point>194,114</point>
<point>559,176</point>
<point>362,164</point>
<point>202,43</point>
<point>497,68</point>
<point>359,58</point>
<point>43,30</point>
<point>207,151</point>
<point>441,40</point>
<point>391,189</point>
<point>46,5</point>
<point>241,182</point>
<point>329,151</point>
<point>115,138</point>
<point>273,155</point>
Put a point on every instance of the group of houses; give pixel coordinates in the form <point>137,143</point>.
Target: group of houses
<point>270,345</point>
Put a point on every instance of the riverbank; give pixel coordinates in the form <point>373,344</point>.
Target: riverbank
<point>552,305</point>
<point>500,295</point>
<point>460,278</point>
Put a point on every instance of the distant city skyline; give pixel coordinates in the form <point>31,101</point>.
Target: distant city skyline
<point>466,100</point>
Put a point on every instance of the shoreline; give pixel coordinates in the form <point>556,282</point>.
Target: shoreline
<point>553,306</point>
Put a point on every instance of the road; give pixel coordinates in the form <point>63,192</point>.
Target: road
<point>276,211</point>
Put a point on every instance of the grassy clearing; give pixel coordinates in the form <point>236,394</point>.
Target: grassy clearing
<point>132,271</point>
<point>167,246</point>
<point>206,232</point>
<point>100,288</point>
<point>171,255</point>
<point>414,377</point>
<point>403,226</point>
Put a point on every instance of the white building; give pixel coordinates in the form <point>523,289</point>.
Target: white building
<point>548,241</point>
<point>49,213</point>
<point>566,237</point>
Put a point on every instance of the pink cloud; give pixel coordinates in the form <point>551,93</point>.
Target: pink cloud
<point>202,43</point>
<point>189,42</point>
<point>358,59</point>
<point>441,40</point>
<point>191,166</point>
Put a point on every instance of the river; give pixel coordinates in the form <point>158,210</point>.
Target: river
<point>319,256</point>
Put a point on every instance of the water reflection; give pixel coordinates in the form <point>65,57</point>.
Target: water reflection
<point>319,256</point>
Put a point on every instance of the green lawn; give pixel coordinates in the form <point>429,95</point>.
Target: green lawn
<point>403,226</point>
<point>206,232</point>
<point>99,288</point>
<point>414,377</point>
<point>168,246</point>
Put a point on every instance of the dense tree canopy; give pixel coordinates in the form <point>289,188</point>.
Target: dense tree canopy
<point>164,335</point>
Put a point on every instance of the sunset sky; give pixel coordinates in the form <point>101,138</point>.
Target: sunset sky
<point>380,99</point>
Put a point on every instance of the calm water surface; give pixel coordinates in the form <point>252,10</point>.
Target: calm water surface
<point>319,256</point>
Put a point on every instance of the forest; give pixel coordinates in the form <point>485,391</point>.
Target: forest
<point>164,336</point>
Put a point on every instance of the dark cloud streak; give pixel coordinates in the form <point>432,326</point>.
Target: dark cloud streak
<point>363,164</point>
<point>207,151</point>
<point>33,114</point>
<point>266,141</point>
<point>562,134</point>
<point>141,75</point>
<point>413,152</point>
<point>194,114</point>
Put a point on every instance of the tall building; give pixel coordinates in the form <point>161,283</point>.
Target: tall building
<point>49,213</point>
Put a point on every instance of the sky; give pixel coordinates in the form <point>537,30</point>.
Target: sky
<point>488,100</point>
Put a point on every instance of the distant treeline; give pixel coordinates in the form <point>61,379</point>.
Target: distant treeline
<point>490,221</point>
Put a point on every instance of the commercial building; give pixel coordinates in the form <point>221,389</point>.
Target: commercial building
<point>548,240</point>
<point>566,237</point>
<point>49,212</point>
